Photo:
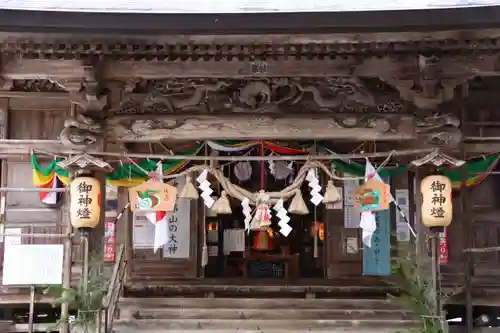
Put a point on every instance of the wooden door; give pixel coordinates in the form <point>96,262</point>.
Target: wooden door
<point>485,230</point>
<point>147,265</point>
<point>344,255</point>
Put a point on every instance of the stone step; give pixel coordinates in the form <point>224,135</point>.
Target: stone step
<point>277,313</point>
<point>290,330</point>
<point>256,303</point>
<point>335,325</point>
<point>6,326</point>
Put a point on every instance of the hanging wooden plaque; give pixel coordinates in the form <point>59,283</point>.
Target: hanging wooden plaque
<point>153,195</point>
<point>373,195</point>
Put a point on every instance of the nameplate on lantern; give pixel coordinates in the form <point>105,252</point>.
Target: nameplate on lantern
<point>152,195</point>
<point>437,207</point>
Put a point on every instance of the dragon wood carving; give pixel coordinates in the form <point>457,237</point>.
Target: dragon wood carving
<point>439,129</point>
<point>257,96</point>
<point>331,109</point>
<point>82,133</point>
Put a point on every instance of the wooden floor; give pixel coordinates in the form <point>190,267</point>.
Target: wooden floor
<point>224,287</point>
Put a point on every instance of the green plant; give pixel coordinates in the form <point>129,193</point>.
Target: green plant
<point>413,279</point>
<point>85,299</point>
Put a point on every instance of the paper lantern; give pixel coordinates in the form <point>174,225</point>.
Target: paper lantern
<point>262,241</point>
<point>437,208</point>
<point>318,229</point>
<point>85,209</point>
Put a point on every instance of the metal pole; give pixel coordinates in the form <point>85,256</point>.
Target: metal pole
<point>85,240</point>
<point>32,309</point>
<point>68,259</point>
<point>38,235</point>
<point>304,157</point>
<point>436,271</point>
<point>32,189</point>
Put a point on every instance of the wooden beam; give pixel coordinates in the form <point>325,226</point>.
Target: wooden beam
<point>252,39</point>
<point>233,69</point>
<point>23,147</point>
<point>247,127</point>
<point>386,67</point>
<point>478,148</point>
<point>14,148</point>
<point>34,95</point>
<point>490,216</point>
<point>20,69</point>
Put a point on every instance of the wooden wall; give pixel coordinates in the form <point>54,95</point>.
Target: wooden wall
<point>485,206</point>
<point>25,213</point>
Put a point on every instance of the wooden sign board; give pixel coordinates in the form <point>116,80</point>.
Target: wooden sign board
<point>152,195</point>
<point>33,264</point>
<point>373,195</point>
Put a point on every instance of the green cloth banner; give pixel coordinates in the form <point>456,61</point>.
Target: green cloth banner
<point>476,170</point>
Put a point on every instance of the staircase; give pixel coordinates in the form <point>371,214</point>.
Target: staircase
<point>259,315</point>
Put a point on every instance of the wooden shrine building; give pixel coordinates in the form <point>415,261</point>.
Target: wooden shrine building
<point>242,93</point>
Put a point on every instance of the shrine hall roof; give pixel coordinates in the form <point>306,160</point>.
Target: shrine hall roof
<point>236,6</point>
<point>161,17</point>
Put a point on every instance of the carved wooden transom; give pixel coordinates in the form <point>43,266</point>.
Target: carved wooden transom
<point>291,95</point>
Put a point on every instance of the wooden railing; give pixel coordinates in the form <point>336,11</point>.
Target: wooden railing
<point>110,303</point>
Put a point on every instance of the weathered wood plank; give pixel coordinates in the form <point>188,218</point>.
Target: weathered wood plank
<point>483,147</point>
<point>247,127</point>
<point>19,69</point>
<point>250,39</point>
<point>262,325</point>
<point>224,68</point>
<point>256,303</point>
<point>34,95</point>
<point>23,147</point>
<point>282,311</point>
<point>46,125</point>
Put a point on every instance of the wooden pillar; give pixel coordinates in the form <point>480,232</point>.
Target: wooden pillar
<point>96,238</point>
<point>68,258</point>
<point>124,228</point>
<point>419,227</point>
<point>466,222</point>
<point>411,201</point>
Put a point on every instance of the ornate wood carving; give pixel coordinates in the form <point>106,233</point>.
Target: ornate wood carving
<point>291,95</point>
<point>90,97</point>
<point>35,85</point>
<point>274,108</point>
<point>192,47</point>
<point>425,80</point>
<point>431,79</point>
<point>83,132</point>
<point>436,130</point>
<point>233,126</point>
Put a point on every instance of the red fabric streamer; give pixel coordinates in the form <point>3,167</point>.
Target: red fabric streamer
<point>283,150</point>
